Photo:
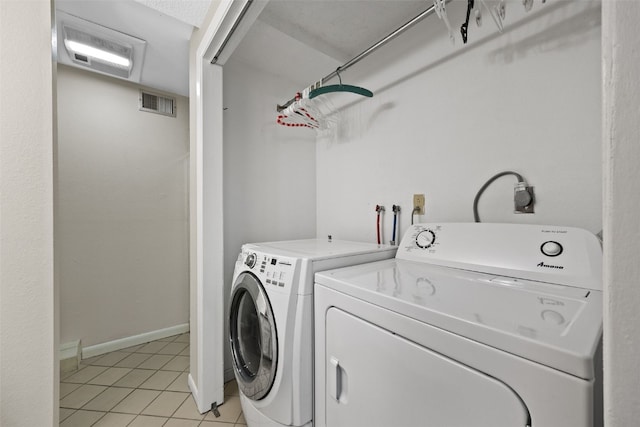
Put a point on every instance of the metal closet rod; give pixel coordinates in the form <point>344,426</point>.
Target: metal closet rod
<point>368,51</point>
<point>231,31</point>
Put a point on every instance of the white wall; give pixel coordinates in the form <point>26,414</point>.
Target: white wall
<point>122,200</point>
<point>28,324</point>
<point>446,118</point>
<point>621,91</point>
<point>269,170</point>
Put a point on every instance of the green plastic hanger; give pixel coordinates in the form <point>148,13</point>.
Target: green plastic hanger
<point>340,88</point>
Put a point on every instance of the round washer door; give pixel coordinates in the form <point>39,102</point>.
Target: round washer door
<point>253,336</point>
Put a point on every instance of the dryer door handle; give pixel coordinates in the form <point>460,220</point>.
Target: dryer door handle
<point>336,380</point>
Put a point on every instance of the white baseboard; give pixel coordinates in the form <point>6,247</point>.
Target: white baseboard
<point>228,376</point>
<point>69,350</point>
<point>194,391</point>
<point>119,344</point>
<point>69,356</point>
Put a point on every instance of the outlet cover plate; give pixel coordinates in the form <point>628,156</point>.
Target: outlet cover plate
<point>418,202</point>
<point>529,208</point>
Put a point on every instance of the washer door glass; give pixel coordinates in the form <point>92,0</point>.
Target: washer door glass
<point>253,337</point>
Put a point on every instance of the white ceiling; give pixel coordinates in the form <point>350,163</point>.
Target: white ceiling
<point>304,40</point>
<point>297,39</point>
<point>340,28</point>
<point>191,12</point>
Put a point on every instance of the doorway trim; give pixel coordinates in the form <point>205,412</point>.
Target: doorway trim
<point>208,308</point>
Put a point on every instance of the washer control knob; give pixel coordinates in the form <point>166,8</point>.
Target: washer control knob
<point>425,239</point>
<point>250,260</point>
<point>551,248</point>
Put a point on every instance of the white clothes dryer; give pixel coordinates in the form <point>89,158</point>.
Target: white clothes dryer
<point>483,325</point>
<point>271,323</point>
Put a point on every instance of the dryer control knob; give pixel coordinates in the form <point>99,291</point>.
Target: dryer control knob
<point>250,260</point>
<point>551,248</point>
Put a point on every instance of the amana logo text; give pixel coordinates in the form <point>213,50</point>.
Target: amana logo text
<point>542,264</point>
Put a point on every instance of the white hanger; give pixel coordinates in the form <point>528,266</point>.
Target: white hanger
<point>316,113</point>
<point>501,9</point>
<point>441,10</point>
<point>296,114</point>
<point>318,107</point>
<point>496,14</point>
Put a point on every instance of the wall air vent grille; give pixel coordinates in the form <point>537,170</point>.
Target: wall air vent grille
<point>154,103</point>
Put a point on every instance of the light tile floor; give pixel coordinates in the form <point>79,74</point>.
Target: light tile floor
<point>140,386</point>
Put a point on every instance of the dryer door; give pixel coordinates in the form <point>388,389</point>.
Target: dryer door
<point>253,336</point>
<point>376,378</point>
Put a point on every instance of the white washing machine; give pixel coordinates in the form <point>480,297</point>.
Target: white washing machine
<point>271,323</point>
<point>483,325</point>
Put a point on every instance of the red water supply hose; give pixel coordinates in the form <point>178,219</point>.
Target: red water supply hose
<point>379,210</point>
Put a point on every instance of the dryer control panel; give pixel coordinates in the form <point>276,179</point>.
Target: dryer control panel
<point>561,255</point>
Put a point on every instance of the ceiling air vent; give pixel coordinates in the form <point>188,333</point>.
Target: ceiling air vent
<point>154,103</point>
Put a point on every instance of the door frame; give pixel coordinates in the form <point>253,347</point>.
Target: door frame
<point>206,201</point>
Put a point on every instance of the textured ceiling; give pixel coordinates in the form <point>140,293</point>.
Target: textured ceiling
<point>189,11</point>
<point>304,40</point>
<point>293,38</point>
<point>340,28</point>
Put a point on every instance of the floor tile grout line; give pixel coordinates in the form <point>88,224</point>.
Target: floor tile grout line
<point>179,406</point>
<point>79,370</point>
<point>73,411</point>
<point>98,420</point>
<point>105,390</point>
<point>138,415</point>
<point>154,370</point>
<point>160,393</point>
<point>86,410</point>
<point>132,352</point>
<point>87,383</point>
<point>173,357</point>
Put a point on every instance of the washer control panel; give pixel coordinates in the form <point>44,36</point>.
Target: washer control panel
<point>425,238</point>
<point>274,272</point>
<point>553,254</point>
<point>275,276</point>
<point>250,260</point>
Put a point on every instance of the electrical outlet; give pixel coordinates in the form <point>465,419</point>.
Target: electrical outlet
<point>524,199</point>
<point>418,203</point>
